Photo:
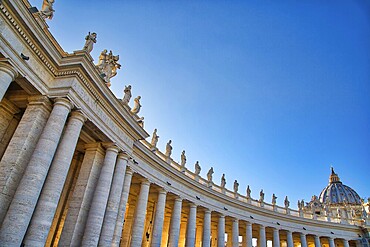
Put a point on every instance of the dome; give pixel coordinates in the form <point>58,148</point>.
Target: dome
<point>338,193</point>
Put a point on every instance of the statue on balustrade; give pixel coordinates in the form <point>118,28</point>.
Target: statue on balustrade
<point>90,40</point>
<point>223,181</point>
<point>197,168</point>
<point>286,202</point>
<point>168,149</point>
<point>155,138</point>
<point>47,11</point>
<point>183,158</point>
<point>236,186</point>
<point>248,192</point>
<point>137,105</point>
<point>262,196</point>
<point>108,65</point>
<point>127,95</point>
<point>274,199</point>
<point>209,175</point>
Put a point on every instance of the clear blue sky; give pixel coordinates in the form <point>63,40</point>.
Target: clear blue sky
<point>271,93</point>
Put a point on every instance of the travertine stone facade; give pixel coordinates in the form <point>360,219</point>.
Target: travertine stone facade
<point>76,169</point>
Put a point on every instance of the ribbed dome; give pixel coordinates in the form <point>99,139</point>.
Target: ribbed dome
<point>338,193</point>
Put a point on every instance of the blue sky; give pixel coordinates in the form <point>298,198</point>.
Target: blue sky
<point>271,93</point>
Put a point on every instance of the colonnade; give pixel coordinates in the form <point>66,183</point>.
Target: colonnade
<point>104,202</point>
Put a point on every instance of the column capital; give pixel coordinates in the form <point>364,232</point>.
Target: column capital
<point>161,191</point>
<point>144,181</point>
<point>9,106</point>
<point>79,116</point>
<point>63,102</point>
<point>207,211</point>
<point>123,155</point>
<point>8,69</point>
<point>248,223</point>
<point>111,146</point>
<point>192,205</point>
<point>178,199</point>
<point>40,100</point>
<point>129,170</point>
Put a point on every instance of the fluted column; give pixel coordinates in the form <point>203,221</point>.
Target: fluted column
<point>111,212</point>
<point>82,196</point>
<point>317,241</point>
<point>20,149</point>
<point>221,231</point>
<point>190,231</point>
<point>262,237</point>
<point>345,243</point>
<point>47,204</point>
<point>28,191</point>
<point>206,240</point>
<point>235,238</point>
<point>7,75</point>
<point>248,234</point>
<point>175,223</point>
<point>122,208</point>
<point>331,242</point>
<point>159,219</point>
<point>289,239</point>
<point>303,240</point>
<point>276,238</point>
<point>99,202</point>
<point>139,220</point>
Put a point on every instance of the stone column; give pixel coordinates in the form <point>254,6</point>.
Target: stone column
<point>23,204</point>
<point>47,204</point>
<point>190,230</point>
<point>221,231</point>
<point>248,234</point>
<point>82,196</point>
<point>276,238</point>
<point>20,149</point>
<point>289,239</point>
<point>358,243</point>
<point>331,242</point>
<point>111,213</point>
<point>175,223</point>
<point>9,120</point>
<point>99,202</point>
<point>122,208</point>
<point>206,240</point>
<point>159,219</point>
<point>304,240</point>
<point>7,75</point>
<point>235,238</point>
<point>262,237</point>
<point>139,220</point>
<point>345,243</point>
<point>317,241</point>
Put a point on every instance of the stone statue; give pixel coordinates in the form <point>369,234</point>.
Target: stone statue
<point>168,149</point>
<point>183,158</point>
<point>262,196</point>
<point>249,192</point>
<point>155,138</point>
<point>236,186</point>
<point>137,105</point>
<point>209,175</point>
<point>108,65</point>
<point>299,205</point>
<point>47,11</point>
<point>286,202</point>
<point>223,181</point>
<point>89,43</point>
<point>274,199</point>
<point>302,204</point>
<point>127,95</point>
<point>197,168</point>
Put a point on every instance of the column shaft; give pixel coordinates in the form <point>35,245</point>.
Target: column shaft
<point>317,241</point>
<point>262,237</point>
<point>159,219</point>
<point>175,223</point>
<point>111,212</point>
<point>122,208</point>
<point>303,240</point>
<point>82,196</point>
<point>276,238</point>
<point>99,202</point>
<point>331,242</point>
<point>139,220</point>
<point>248,234</point>
<point>221,231</point>
<point>206,240</point>
<point>7,75</point>
<point>289,237</point>
<point>47,204</point>
<point>20,149</point>
<point>235,237</point>
<point>345,243</point>
<point>8,123</point>
<point>191,226</point>
<point>23,204</point>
